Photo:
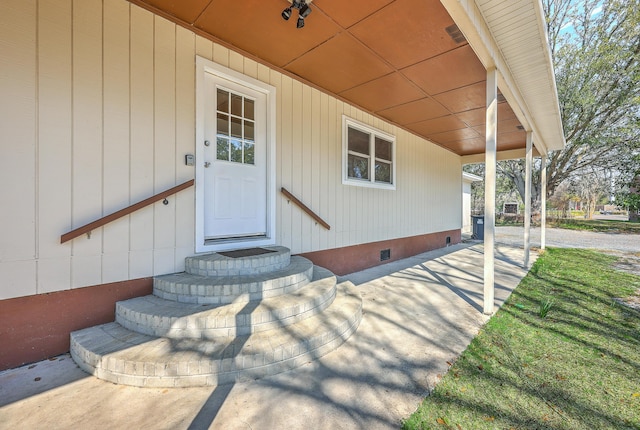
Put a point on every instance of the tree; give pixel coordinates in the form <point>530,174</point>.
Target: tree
<point>561,199</point>
<point>591,187</point>
<point>628,195</point>
<point>595,47</point>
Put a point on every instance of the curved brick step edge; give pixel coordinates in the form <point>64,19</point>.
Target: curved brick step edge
<point>187,288</point>
<point>217,265</point>
<point>158,317</point>
<point>115,354</point>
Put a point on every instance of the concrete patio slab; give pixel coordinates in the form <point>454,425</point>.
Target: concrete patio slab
<point>419,315</point>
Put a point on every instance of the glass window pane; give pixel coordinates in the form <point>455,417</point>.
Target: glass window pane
<point>249,109</point>
<point>222,149</point>
<point>236,150</point>
<point>383,149</point>
<point>223,125</point>
<point>248,130</point>
<point>358,141</point>
<point>236,105</point>
<point>249,153</point>
<point>236,127</point>
<point>357,167</point>
<point>383,172</point>
<point>223,101</point>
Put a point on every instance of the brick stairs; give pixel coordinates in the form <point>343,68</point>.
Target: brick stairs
<point>226,319</point>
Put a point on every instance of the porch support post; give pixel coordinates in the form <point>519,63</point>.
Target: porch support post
<point>527,200</point>
<point>491,132</point>
<point>543,200</point>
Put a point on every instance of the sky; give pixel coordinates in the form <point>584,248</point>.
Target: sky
<point>568,27</point>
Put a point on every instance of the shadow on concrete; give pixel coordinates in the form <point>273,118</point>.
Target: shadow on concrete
<point>419,314</point>
<point>38,378</point>
<point>412,329</point>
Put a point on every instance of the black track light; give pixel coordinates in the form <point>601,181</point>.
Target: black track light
<point>303,11</point>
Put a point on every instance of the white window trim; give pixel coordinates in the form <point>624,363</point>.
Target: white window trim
<point>370,183</point>
<point>203,66</point>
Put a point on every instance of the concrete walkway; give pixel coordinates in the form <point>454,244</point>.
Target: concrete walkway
<point>419,315</point>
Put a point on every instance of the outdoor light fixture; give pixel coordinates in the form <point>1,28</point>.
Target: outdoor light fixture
<point>303,11</point>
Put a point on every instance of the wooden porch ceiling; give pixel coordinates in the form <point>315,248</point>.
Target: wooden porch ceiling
<point>394,58</point>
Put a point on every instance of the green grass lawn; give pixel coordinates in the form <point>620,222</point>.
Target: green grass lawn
<point>576,368</point>
<point>603,225</point>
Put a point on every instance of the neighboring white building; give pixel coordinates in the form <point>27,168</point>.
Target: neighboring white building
<point>467,179</point>
<point>366,115</point>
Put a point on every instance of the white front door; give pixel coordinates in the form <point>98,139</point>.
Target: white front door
<point>235,160</point>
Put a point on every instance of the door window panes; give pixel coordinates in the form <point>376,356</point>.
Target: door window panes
<point>236,151</point>
<point>235,127</point>
<point>248,130</point>
<point>222,149</point>
<point>236,105</point>
<point>249,153</point>
<point>249,109</point>
<point>223,124</point>
<point>223,101</point>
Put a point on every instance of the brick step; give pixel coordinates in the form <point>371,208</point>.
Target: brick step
<point>163,318</point>
<point>219,265</point>
<point>113,353</point>
<point>189,288</point>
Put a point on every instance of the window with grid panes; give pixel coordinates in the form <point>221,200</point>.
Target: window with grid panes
<point>368,156</point>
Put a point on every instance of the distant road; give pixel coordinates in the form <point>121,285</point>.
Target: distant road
<point>611,217</point>
<point>563,238</point>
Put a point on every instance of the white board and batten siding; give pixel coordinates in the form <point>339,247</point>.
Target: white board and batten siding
<point>98,112</point>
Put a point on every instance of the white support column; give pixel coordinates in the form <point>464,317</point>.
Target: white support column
<point>491,133</point>
<point>527,199</point>
<point>543,200</point>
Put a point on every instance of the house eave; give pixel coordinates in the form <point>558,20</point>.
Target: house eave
<point>494,29</point>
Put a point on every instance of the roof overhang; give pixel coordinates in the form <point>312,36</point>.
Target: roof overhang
<point>418,64</point>
<point>470,177</point>
<point>512,154</point>
<point>510,35</point>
